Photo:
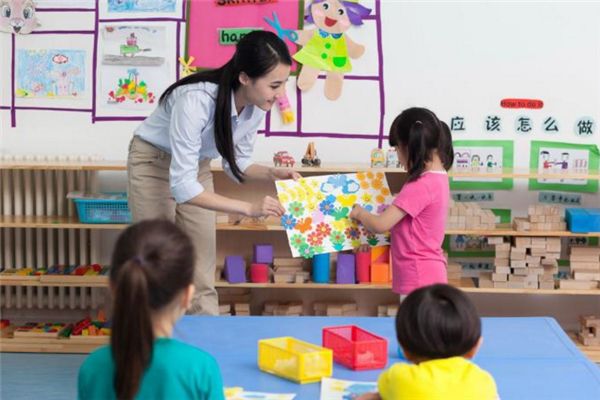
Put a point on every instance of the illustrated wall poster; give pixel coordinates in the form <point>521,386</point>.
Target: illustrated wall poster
<point>481,157</point>
<point>141,9</point>
<point>338,389</point>
<point>317,209</point>
<point>558,158</point>
<point>50,73</point>
<point>133,45</point>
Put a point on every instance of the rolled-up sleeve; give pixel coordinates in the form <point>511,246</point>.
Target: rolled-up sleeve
<point>243,154</point>
<point>189,115</point>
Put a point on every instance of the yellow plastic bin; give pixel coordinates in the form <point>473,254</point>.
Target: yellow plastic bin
<point>294,359</point>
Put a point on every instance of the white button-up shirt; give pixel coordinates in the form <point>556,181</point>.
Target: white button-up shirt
<point>184,127</point>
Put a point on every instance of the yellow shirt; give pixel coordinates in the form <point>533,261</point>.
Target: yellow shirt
<point>446,378</point>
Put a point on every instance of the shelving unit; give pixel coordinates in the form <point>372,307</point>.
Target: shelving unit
<point>232,238</point>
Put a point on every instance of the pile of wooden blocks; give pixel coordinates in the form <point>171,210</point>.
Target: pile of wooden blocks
<point>585,268</point>
<point>290,270</point>
<point>527,263</point>
<point>336,309</point>
<point>541,218</point>
<point>454,271</point>
<point>469,216</point>
<point>290,309</point>
<point>231,301</point>
<point>589,332</point>
<point>387,310</point>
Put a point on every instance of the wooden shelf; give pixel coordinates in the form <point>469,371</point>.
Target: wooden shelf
<point>120,165</point>
<point>591,352</point>
<point>466,284</point>
<point>51,222</point>
<point>63,345</point>
<point>54,281</point>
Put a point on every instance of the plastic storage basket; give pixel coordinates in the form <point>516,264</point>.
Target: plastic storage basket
<point>294,359</point>
<point>110,210</point>
<point>355,348</point>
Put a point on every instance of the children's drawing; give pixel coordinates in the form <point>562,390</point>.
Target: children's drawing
<point>317,209</point>
<point>133,45</point>
<point>149,6</point>
<point>18,16</point>
<point>472,157</point>
<point>568,159</point>
<point>131,88</point>
<point>326,47</point>
<point>237,393</point>
<point>338,389</point>
<point>50,73</point>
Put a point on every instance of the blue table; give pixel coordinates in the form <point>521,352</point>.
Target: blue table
<point>530,358</point>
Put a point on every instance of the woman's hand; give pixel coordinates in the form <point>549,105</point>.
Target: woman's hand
<point>267,207</point>
<point>284,173</point>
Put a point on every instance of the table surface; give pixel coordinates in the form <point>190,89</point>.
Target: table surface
<point>529,357</point>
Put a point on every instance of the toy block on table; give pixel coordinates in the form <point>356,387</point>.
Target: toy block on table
<point>583,220</point>
<point>355,348</point>
<point>345,269</point>
<point>235,269</point>
<point>335,309</point>
<point>589,332</point>
<point>294,359</point>
<point>263,254</point>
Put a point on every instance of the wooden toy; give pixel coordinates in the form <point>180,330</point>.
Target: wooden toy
<point>310,158</point>
<point>259,273</point>
<point>363,266</point>
<point>283,158</point>
<point>241,309</point>
<point>335,309</point>
<point>345,271</point>
<point>235,269</point>
<point>320,266</point>
<point>589,333</point>
<point>263,254</point>
<point>294,309</point>
<point>387,310</point>
<point>469,216</point>
<point>541,218</point>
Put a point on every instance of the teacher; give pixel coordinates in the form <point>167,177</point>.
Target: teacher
<point>205,115</point>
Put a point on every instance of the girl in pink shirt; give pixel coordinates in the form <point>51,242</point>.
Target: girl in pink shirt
<point>417,217</point>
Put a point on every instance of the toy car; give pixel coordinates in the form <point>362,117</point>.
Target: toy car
<point>283,158</point>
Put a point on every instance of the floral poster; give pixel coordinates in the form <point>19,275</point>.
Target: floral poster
<point>317,209</point>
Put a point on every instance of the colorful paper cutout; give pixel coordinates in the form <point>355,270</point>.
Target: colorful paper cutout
<point>18,17</point>
<point>317,207</point>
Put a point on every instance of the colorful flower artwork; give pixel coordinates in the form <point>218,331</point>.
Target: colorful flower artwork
<point>317,209</point>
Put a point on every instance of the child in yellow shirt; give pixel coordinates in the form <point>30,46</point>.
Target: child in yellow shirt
<point>439,331</point>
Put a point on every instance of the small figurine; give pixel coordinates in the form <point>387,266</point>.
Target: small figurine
<point>377,158</point>
<point>310,158</point>
<point>392,159</point>
<point>283,158</point>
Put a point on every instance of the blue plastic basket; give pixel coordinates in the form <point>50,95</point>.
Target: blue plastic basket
<point>104,211</point>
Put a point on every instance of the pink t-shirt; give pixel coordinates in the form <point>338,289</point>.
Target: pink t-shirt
<point>416,241</point>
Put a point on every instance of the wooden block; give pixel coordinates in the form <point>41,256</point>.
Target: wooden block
<point>485,283</point>
<point>516,278</point>
<point>502,270</point>
<point>500,285</point>
<point>503,247</point>
<point>499,277</point>
<point>495,240</point>
<point>531,284</point>
<point>577,285</point>
<point>536,270</point>
<point>520,271</point>
<point>516,285</point>
<point>518,264</point>
<point>222,218</point>
<point>223,308</point>
<point>549,285</point>
<point>288,262</point>
<point>502,262</point>
<point>283,278</point>
<point>586,276</point>
<point>590,321</point>
<point>585,266</point>
<point>585,250</point>
<point>241,307</point>
<point>535,260</point>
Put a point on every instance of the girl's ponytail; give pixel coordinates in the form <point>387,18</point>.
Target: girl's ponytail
<point>445,149</point>
<point>132,335</point>
<point>417,150</point>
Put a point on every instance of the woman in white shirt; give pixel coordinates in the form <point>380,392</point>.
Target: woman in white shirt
<point>203,116</point>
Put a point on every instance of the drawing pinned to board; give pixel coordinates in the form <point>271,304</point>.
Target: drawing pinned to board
<point>327,48</point>
<point>481,157</point>
<point>18,16</point>
<point>568,159</point>
<point>317,219</point>
<point>149,6</point>
<point>133,45</point>
<point>131,88</point>
<point>50,73</point>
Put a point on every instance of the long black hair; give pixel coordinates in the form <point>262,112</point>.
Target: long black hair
<point>152,263</point>
<point>437,321</point>
<point>421,132</point>
<point>256,54</point>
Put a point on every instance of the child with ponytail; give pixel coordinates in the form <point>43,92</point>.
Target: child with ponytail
<point>151,279</point>
<point>417,216</point>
